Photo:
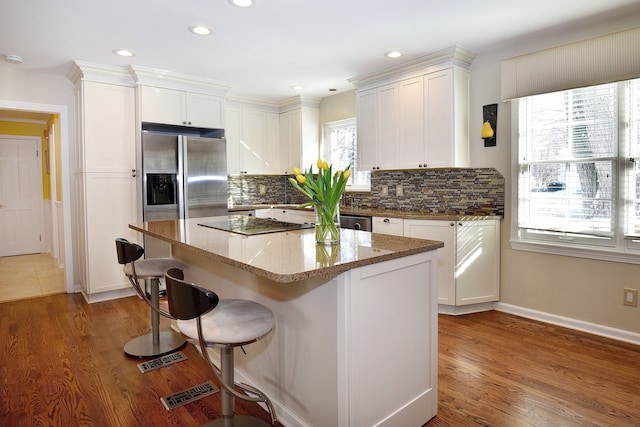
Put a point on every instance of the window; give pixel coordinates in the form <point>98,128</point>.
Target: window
<point>578,168</point>
<point>339,145</point>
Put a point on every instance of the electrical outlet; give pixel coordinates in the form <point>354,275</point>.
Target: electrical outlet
<point>263,190</point>
<point>630,297</point>
<point>399,190</point>
<point>384,190</point>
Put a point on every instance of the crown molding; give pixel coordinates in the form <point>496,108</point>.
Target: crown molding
<point>171,80</point>
<point>445,58</point>
<point>87,71</point>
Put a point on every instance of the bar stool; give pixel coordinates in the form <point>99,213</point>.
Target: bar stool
<point>223,324</point>
<point>156,343</point>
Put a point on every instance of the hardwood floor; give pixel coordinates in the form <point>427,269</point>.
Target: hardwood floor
<point>62,364</point>
<point>497,369</point>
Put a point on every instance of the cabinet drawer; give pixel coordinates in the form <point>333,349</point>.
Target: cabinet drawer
<point>384,225</point>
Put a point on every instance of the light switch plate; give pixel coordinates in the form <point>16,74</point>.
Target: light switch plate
<point>384,190</point>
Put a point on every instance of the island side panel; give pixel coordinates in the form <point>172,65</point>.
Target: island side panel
<point>388,343</point>
<point>296,365</point>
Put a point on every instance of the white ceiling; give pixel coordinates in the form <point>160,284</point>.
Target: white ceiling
<point>262,51</point>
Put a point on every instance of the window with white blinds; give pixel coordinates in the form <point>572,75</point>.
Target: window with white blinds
<point>578,166</point>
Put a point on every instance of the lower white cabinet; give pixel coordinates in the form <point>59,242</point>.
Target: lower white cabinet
<point>393,226</point>
<point>295,216</point>
<point>469,263</point>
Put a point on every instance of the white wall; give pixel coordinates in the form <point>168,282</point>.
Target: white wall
<point>586,290</point>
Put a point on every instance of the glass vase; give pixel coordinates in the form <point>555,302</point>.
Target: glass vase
<point>327,224</point>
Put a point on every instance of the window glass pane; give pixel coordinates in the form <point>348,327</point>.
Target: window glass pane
<point>342,145</point>
<point>632,136</point>
<point>567,155</point>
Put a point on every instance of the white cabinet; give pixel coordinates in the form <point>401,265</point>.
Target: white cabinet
<point>299,129</point>
<point>417,122</point>
<point>175,107</point>
<point>469,263</point>
<point>105,182</point>
<point>252,141</point>
<point>378,144</point>
<point>295,216</point>
<point>393,226</point>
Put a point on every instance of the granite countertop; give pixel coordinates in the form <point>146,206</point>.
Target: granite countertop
<point>286,256</point>
<point>385,213</point>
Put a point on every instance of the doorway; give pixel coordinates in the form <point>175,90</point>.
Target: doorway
<point>60,224</point>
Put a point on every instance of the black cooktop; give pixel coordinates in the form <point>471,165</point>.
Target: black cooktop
<point>250,225</point>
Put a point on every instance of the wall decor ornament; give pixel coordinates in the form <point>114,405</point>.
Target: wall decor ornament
<point>490,123</point>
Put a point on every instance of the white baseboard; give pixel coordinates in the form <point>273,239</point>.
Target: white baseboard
<point>456,310</point>
<point>567,322</point>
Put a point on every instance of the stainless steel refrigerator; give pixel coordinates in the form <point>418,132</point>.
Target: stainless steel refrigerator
<point>184,175</point>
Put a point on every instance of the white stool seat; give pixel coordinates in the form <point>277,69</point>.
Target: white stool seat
<point>152,267</point>
<point>234,322</point>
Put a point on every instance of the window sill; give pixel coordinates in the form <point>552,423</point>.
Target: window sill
<point>613,255</point>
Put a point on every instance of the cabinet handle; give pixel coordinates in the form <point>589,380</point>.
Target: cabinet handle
<point>133,173</point>
<point>452,224</point>
<point>386,220</point>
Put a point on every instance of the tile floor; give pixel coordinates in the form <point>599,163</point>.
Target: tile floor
<point>28,276</point>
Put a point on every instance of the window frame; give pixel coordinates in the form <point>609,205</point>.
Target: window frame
<point>619,248</point>
<point>325,148</point>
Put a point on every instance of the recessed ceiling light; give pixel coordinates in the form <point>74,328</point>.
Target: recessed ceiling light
<point>14,59</point>
<point>393,54</point>
<point>201,30</point>
<point>243,3</point>
<point>123,52</point>
<point>297,87</point>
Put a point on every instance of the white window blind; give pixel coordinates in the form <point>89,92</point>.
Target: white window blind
<point>579,166</point>
<point>610,58</point>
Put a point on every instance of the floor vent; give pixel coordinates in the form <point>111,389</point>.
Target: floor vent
<point>189,395</point>
<point>161,362</point>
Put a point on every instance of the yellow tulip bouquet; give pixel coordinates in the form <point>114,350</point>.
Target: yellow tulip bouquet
<point>324,193</point>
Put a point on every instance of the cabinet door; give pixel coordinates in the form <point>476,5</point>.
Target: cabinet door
<point>411,123</point>
<point>160,105</point>
<point>443,231</point>
<point>477,262</point>
<point>438,95</point>
<point>367,124</point>
<point>108,139</point>
<point>233,132</point>
<point>291,141</point>
<point>387,142</point>
<point>205,111</point>
<point>103,224</point>
<point>252,144</point>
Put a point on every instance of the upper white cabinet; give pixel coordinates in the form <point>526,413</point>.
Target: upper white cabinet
<point>299,130</point>
<point>416,116</point>
<point>175,107</point>
<point>252,141</point>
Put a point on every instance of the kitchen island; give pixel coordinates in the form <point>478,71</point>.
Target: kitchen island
<point>355,342</point>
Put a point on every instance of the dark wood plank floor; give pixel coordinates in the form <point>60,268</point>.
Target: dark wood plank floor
<point>61,364</point>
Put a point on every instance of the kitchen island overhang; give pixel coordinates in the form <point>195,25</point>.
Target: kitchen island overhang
<point>355,341</point>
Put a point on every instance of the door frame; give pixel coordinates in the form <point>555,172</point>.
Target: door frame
<point>63,113</point>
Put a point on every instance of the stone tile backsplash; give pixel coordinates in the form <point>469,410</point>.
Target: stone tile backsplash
<point>462,191</point>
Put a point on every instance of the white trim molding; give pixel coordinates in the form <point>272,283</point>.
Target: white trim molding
<point>567,322</point>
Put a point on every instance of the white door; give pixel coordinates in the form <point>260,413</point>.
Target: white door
<point>20,195</point>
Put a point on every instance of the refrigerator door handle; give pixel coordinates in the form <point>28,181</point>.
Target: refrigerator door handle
<point>182,178</point>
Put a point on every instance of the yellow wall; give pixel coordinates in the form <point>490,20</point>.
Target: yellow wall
<point>31,129</point>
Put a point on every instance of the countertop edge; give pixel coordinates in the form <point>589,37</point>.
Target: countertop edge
<point>331,271</point>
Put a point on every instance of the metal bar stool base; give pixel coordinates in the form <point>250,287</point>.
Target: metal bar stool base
<point>144,346</point>
<point>238,421</point>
